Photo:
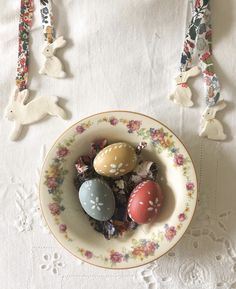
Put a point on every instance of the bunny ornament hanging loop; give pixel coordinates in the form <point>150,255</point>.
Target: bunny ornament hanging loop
<point>52,65</point>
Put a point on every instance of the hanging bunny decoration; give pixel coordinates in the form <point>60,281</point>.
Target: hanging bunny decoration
<point>23,113</point>
<point>199,38</point>
<point>210,126</point>
<point>19,109</point>
<point>183,93</point>
<point>52,65</point>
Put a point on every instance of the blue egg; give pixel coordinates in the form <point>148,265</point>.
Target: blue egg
<point>97,199</point>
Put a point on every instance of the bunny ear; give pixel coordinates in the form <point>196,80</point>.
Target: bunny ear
<point>59,42</point>
<point>220,105</point>
<point>194,71</point>
<point>15,94</point>
<point>23,96</point>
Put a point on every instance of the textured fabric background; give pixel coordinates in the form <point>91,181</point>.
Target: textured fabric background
<point>121,54</point>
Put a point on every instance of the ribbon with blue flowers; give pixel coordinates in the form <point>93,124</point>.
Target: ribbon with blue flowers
<point>199,38</point>
<point>198,42</point>
<point>47,20</point>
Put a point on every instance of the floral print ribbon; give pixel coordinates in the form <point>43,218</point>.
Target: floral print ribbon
<point>199,38</point>
<point>25,24</point>
<point>20,110</point>
<point>52,65</point>
<point>47,20</point>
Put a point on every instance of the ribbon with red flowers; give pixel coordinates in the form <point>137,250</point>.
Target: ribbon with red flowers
<point>25,24</point>
<point>20,110</point>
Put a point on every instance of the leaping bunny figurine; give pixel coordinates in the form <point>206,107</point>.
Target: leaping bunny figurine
<point>183,94</point>
<point>52,66</point>
<point>210,126</point>
<point>24,114</point>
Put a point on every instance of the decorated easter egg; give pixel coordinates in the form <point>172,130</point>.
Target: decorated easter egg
<point>97,199</point>
<point>144,202</point>
<point>115,160</point>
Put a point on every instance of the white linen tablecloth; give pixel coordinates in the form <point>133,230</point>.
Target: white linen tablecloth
<point>121,54</point>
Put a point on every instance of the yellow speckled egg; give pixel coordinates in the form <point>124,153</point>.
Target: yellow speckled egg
<point>115,160</point>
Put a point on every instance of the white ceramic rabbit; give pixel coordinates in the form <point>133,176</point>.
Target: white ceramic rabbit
<point>52,66</point>
<point>210,126</point>
<point>183,94</point>
<point>24,114</point>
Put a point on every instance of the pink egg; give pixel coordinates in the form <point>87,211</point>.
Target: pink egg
<point>145,202</point>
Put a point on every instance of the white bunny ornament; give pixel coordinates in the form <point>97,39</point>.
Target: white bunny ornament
<point>25,114</point>
<point>52,65</point>
<point>210,126</point>
<point>183,93</point>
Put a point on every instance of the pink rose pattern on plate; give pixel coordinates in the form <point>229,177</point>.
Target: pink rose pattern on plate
<point>80,129</point>
<point>182,217</point>
<point>54,209</point>
<point>113,121</point>
<point>190,186</point>
<point>133,125</point>
<point>170,232</point>
<point>88,254</point>
<point>62,152</point>
<point>62,228</point>
<point>161,140</point>
<point>179,159</point>
<point>116,257</point>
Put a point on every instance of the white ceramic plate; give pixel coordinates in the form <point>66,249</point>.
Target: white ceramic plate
<point>65,217</point>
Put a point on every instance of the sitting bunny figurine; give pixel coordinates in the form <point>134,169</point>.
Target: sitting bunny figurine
<point>210,126</point>
<point>23,114</point>
<point>183,94</point>
<point>52,66</point>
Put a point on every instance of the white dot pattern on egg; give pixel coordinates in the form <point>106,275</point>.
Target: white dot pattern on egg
<point>97,199</point>
<point>115,160</point>
<point>145,202</point>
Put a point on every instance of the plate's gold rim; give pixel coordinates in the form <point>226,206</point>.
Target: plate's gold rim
<point>41,175</point>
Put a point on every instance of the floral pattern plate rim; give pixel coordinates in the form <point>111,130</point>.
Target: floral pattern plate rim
<point>66,219</point>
